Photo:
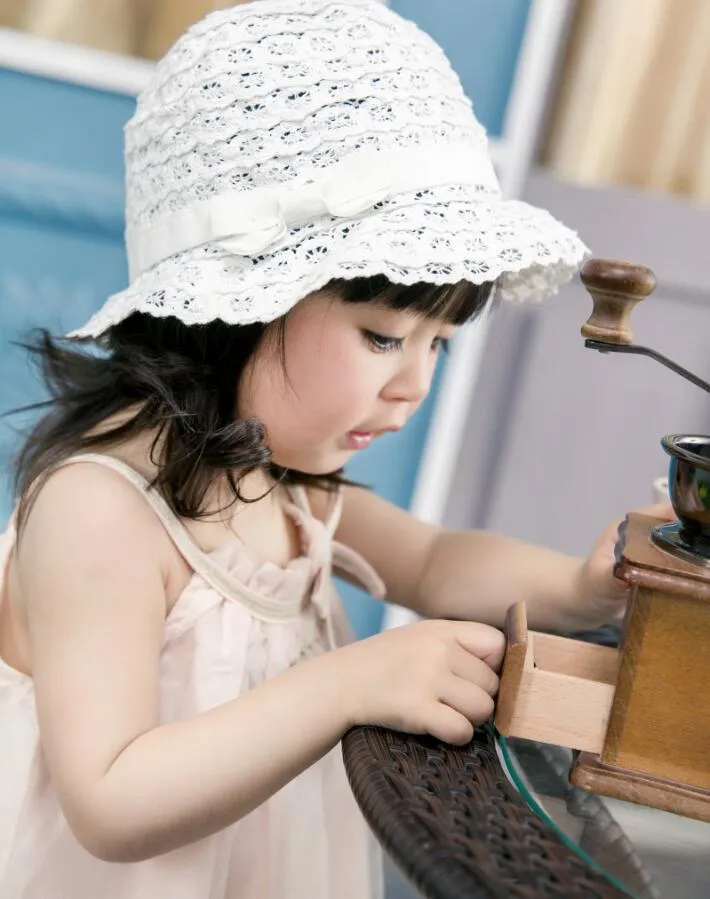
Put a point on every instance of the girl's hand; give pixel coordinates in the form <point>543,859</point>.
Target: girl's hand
<point>431,677</point>
<point>603,595</point>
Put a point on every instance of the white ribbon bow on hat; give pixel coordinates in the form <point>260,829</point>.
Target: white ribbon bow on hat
<point>248,223</point>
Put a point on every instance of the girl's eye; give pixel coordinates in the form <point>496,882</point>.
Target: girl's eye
<point>381,343</point>
<point>440,343</point>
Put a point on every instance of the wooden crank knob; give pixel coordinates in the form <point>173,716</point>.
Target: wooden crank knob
<point>615,288</point>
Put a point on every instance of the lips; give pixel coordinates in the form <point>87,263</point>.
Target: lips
<point>359,440</point>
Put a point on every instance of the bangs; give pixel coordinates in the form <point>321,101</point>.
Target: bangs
<point>454,304</point>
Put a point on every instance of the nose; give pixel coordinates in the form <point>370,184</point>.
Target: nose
<point>413,379</point>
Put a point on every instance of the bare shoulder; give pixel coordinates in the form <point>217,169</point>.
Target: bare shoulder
<point>89,511</point>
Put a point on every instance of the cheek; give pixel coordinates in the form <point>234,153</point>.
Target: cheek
<point>326,377</point>
<point>330,383</point>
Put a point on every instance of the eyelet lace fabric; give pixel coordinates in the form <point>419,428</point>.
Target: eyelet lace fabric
<point>275,92</point>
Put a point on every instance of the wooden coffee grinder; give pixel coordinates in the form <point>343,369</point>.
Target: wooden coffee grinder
<point>640,715</point>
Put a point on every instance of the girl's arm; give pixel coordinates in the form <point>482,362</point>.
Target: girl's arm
<point>95,600</point>
<point>94,569</point>
<point>461,574</point>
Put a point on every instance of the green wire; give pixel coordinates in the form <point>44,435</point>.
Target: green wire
<point>512,773</point>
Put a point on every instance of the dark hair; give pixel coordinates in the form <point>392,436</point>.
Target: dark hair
<point>183,380</point>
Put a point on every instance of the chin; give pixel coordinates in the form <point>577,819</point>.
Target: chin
<point>327,464</point>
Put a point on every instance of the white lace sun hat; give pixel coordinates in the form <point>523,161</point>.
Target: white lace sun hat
<point>284,143</point>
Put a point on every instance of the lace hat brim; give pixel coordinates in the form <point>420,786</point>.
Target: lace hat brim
<point>440,235</point>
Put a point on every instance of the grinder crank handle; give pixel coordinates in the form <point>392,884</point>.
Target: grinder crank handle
<point>615,288</point>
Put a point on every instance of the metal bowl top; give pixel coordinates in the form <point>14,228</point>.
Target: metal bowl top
<point>691,448</point>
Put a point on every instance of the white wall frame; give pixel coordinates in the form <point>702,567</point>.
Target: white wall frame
<point>75,64</point>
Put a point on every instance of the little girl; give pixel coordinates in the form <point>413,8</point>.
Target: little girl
<point>311,211</point>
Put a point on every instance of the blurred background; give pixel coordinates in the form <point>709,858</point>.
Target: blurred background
<point>597,109</point>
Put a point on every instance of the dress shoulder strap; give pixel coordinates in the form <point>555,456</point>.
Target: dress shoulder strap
<point>299,497</point>
<point>219,578</point>
<point>175,529</point>
<point>346,561</point>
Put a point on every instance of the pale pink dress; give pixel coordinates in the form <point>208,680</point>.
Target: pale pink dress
<point>236,624</point>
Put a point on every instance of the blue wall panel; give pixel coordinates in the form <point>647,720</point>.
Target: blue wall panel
<point>63,125</point>
<point>482,39</point>
<point>61,222</point>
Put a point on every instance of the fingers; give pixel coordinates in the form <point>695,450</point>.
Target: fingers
<point>448,725</point>
<point>467,699</point>
<point>473,670</point>
<point>469,690</point>
<point>487,643</point>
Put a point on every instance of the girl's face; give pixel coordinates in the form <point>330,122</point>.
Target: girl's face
<point>352,372</point>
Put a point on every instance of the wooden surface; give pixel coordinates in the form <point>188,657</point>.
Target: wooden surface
<point>553,689</point>
<point>644,564</point>
<point>590,773</point>
<point>660,716</point>
<point>516,630</point>
<point>577,659</point>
